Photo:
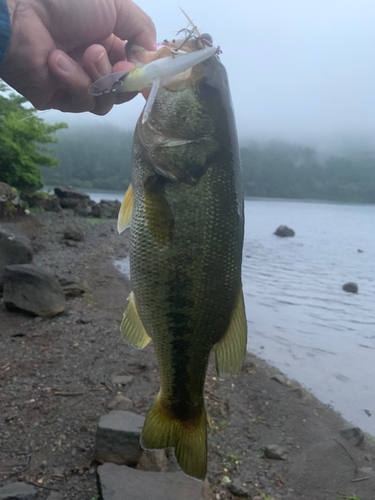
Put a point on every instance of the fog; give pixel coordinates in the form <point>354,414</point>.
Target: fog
<point>300,71</point>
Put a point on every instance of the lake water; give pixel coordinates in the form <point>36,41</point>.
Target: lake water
<point>299,318</point>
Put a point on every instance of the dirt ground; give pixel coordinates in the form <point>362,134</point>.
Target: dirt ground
<point>56,382</point>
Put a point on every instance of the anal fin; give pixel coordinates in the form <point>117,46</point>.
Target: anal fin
<point>131,326</point>
<point>125,212</point>
<point>231,349</point>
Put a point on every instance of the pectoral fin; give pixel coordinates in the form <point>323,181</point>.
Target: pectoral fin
<point>125,212</point>
<point>159,217</point>
<point>231,349</point>
<point>131,326</point>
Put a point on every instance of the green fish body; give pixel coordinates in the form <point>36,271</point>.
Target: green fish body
<point>185,254</point>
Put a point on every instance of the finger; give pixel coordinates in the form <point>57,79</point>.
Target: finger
<point>95,62</point>
<point>74,80</point>
<point>115,48</point>
<point>134,25</point>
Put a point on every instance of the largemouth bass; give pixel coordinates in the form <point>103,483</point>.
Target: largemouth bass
<point>187,222</point>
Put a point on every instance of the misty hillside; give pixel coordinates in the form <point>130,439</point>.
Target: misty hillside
<point>100,157</point>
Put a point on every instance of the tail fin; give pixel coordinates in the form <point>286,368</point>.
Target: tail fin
<point>189,440</point>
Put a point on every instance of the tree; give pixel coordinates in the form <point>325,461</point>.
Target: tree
<point>22,136</point>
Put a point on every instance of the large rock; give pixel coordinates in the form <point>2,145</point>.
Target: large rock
<point>28,225</point>
<point>14,249</point>
<point>18,491</point>
<point>284,231</point>
<point>50,203</point>
<point>117,438</point>
<point>106,209</point>
<point>350,287</point>
<point>71,198</point>
<point>123,483</point>
<point>10,202</point>
<point>32,290</point>
<point>70,193</point>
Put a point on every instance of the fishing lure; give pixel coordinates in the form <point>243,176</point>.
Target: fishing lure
<point>184,54</point>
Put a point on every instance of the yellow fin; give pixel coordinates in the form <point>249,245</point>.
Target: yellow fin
<point>131,326</point>
<point>231,349</point>
<point>189,440</point>
<point>159,217</point>
<point>125,212</point>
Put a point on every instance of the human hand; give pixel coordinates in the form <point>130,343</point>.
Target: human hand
<point>58,48</point>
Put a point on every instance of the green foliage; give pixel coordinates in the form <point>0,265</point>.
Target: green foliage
<point>22,139</point>
<point>93,157</point>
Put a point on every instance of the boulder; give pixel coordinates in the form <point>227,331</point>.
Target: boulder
<point>71,198</point>
<point>44,201</point>
<point>284,231</point>
<point>72,232</point>
<point>123,483</point>
<point>18,491</point>
<point>28,225</point>
<point>10,202</point>
<point>70,193</point>
<point>117,438</point>
<point>14,249</point>
<point>106,209</point>
<point>350,287</point>
<point>32,290</point>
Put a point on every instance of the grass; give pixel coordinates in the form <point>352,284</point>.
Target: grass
<point>95,221</point>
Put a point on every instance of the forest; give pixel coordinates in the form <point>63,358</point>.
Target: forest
<point>100,157</point>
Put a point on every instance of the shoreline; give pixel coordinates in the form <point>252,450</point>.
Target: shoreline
<point>80,350</point>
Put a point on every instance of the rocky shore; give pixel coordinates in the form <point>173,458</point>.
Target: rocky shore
<point>268,437</point>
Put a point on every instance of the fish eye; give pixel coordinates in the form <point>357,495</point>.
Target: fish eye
<point>208,91</point>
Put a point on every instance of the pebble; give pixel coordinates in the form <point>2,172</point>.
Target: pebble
<point>122,379</point>
<point>275,452</point>
<point>238,489</point>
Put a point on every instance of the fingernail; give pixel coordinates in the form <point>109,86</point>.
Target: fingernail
<point>102,64</point>
<point>66,64</point>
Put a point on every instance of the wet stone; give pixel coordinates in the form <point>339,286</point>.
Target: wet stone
<point>123,483</point>
<point>282,379</point>
<point>284,232</point>
<point>18,491</point>
<point>117,438</point>
<point>350,287</point>
<point>354,435</point>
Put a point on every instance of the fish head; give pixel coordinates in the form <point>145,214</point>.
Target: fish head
<point>188,122</point>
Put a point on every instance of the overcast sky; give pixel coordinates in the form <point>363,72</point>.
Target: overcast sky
<point>300,70</point>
